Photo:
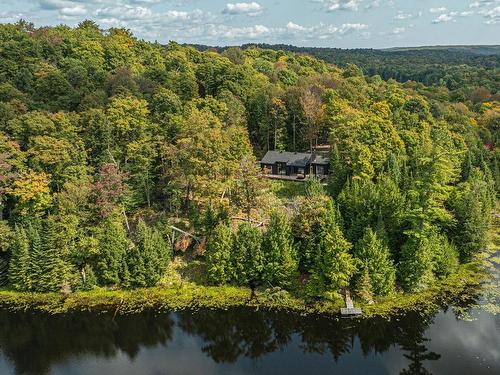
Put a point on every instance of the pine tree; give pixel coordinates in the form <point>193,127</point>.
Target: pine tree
<point>248,258</point>
<point>88,279</point>
<point>376,258</point>
<point>19,261</point>
<point>113,244</point>
<point>147,261</point>
<point>364,286</point>
<point>334,265</point>
<point>4,269</point>
<point>35,270</point>
<point>53,269</point>
<point>415,266</point>
<point>163,250</point>
<point>278,251</point>
<point>445,256</point>
<point>149,254</point>
<point>218,255</point>
<point>471,204</point>
<point>134,272</point>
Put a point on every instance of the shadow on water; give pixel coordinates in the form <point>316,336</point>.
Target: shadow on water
<point>35,343</point>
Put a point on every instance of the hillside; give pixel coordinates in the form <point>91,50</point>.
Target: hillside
<point>110,144</point>
<point>459,68</point>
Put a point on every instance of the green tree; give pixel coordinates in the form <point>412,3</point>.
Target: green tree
<point>364,285</point>
<point>416,263</point>
<point>19,261</point>
<point>248,258</point>
<point>376,259</point>
<point>219,255</point>
<point>280,264</point>
<point>49,261</point>
<point>113,244</point>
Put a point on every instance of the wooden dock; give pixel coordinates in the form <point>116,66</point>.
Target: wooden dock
<point>350,310</point>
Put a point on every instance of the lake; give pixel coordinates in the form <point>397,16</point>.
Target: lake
<point>245,341</point>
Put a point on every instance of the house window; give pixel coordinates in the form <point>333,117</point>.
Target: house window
<point>300,171</point>
<point>281,169</point>
<point>320,170</point>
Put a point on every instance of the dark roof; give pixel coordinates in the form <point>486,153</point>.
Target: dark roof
<point>293,159</point>
<point>321,159</point>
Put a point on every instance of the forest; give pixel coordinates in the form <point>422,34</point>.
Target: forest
<point>462,69</point>
<point>108,141</point>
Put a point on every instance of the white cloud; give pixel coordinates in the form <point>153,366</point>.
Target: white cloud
<point>124,12</point>
<point>348,27</point>
<point>251,9</point>
<point>398,30</point>
<point>482,3</point>
<point>334,5</point>
<point>446,17</point>
<point>75,11</point>
<point>438,10</point>
<point>402,16</point>
<point>295,27</point>
<point>466,13</point>
<point>250,32</point>
<point>492,16</point>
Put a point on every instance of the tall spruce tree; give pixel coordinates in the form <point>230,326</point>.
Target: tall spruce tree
<point>19,260</point>
<point>471,204</point>
<point>334,265</point>
<point>280,263</point>
<point>113,243</point>
<point>445,255</point>
<point>218,255</point>
<point>248,257</point>
<point>149,254</point>
<point>35,268</point>
<point>50,261</point>
<point>416,262</point>
<point>4,269</point>
<point>376,258</point>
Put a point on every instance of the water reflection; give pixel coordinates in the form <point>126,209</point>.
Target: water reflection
<point>237,341</point>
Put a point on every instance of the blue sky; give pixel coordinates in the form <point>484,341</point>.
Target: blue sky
<point>329,23</point>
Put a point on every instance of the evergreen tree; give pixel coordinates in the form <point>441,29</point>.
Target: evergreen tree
<point>162,248</point>
<point>88,279</point>
<point>248,257</point>
<point>278,250</point>
<point>4,269</point>
<point>49,260</point>
<point>134,271</point>
<point>416,263</point>
<point>364,285</point>
<point>113,243</point>
<point>35,267</point>
<point>376,258</point>
<point>19,261</point>
<point>445,256</point>
<point>149,254</point>
<point>471,205</point>
<point>313,245</point>
<point>334,265</point>
<point>218,255</point>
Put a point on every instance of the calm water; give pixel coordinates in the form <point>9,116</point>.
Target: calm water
<point>244,341</point>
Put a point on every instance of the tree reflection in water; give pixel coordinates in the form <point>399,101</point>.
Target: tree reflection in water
<point>36,342</point>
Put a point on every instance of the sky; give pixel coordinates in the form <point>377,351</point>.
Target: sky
<point>311,23</point>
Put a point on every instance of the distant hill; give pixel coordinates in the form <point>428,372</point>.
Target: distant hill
<point>452,66</point>
<point>473,50</point>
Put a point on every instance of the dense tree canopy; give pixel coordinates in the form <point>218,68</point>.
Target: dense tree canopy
<point>107,142</point>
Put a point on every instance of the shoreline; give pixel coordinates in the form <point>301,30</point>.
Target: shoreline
<point>455,288</point>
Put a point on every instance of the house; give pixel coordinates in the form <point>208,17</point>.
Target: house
<point>293,165</point>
